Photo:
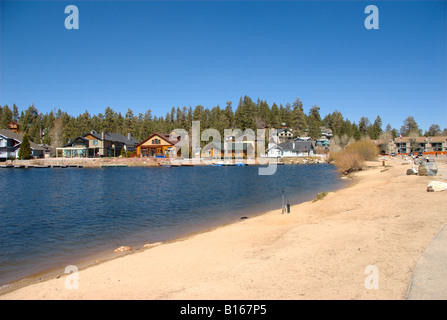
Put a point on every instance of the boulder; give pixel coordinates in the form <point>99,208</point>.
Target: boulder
<point>436,186</point>
<point>422,170</point>
<point>122,249</point>
<point>411,171</point>
<point>428,169</point>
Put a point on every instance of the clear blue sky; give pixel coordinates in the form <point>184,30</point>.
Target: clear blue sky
<point>155,55</point>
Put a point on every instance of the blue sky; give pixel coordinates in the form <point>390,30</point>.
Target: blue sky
<point>155,55</point>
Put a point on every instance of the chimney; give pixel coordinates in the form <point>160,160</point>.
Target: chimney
<point>102,135</point>
<point>293,144</point>
<point>129,136</point>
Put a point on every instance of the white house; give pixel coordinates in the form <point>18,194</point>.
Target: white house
<point>292,149</point>
<point>10,143</point>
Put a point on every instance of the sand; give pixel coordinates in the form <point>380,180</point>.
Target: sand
<point>384,219</point>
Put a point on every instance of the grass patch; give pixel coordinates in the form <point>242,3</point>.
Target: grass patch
<point>320,196</point>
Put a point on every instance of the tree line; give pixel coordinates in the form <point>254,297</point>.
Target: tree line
<point>57,127</point>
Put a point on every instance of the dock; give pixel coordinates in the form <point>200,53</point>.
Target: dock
<point>113,165</point>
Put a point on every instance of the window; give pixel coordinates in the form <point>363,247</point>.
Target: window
<point>94,142</point>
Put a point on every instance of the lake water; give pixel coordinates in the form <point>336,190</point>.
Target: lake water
<point>60,216</point>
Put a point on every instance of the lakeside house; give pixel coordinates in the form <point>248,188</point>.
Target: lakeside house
<point>235,150</point>
<point>325,139</point>
<point>296,148</point>
<point>94,144</point>
<point>159,145</point>
<point>10,143</point>
<point>282,135</point>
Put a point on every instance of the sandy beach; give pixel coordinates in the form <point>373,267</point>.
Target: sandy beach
<point>320,250</point>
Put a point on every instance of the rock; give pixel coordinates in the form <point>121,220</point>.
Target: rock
<point>122,249</point>
<point>422,170</point>
<point>428,169</point>
<point>436,186</point>
<point>418,161</point>
<point>152,245</point>
<point>411,171</point>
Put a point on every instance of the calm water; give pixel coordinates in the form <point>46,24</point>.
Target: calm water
<point>56,217</point>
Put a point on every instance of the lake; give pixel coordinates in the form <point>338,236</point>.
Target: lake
<point>60,216</point>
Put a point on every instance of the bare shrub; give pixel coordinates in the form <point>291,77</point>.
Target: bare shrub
<point>367,149</point>
<point>347,162</point>
<point>353,156</point>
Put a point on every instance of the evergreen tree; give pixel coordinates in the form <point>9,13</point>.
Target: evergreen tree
<point>298,117</point>
<point>25,148</point>
<point>314,122</point>
<point>410,127</point>
<point>6,117</point>
<point>274,117</point>
<point>376,129</point>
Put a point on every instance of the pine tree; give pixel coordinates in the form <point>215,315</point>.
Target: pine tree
<point>298,117</point>
<point>25,148</point>
<point>314,122</point>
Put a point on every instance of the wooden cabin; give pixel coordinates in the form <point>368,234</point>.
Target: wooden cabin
<point>14,127</point>
<point>158,145</point>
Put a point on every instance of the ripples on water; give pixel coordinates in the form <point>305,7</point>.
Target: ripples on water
<point>54,217</point>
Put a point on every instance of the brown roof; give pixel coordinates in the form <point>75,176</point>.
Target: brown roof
<point>164,136</point>
<point>421,139</point>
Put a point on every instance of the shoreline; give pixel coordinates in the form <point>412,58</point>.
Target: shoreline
<point>151,162</point>
<point>225,249</point>
<point>103,256</point>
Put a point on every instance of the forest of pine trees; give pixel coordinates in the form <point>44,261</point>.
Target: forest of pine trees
<point>56,128</point>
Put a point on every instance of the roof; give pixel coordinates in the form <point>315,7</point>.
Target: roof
<point>297,145</point>
<point>221,146</point>
<point>421,139</point>
<point>278,131</point>
<point>325,130</point>
<point>114,137</point>
<point>71,141</point>
<point>164,136</point>
<point>19,137</point>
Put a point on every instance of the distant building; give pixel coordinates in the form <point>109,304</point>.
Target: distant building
<point>325,139</point>
<point>297,148</point>
<point>94,144</point>
<point>235,150</point>
<point>158,145</point>
<point>14,127</point>
<point>282,135</point>
<point>10,143</point>
<point>406,145</point>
